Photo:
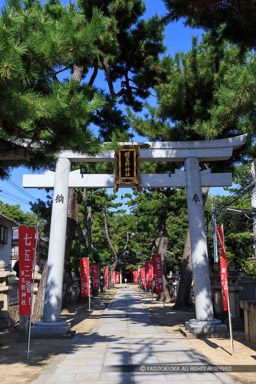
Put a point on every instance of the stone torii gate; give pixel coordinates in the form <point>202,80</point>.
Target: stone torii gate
<point>191,153</point>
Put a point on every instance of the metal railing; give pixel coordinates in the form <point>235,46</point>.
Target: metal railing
<point>14,293</point>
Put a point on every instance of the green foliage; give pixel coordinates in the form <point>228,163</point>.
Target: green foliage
<point>200,94</point>
<point>145,209</point>
<point>235,214</point>
<point>42,42</point>
<point>236,17</point>
<point>15,213</point>
<point>249,267</point>
<point>35,43</point>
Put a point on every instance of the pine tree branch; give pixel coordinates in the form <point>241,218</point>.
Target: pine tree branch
<point>95,72</point>
<point>108,74</point>
<point>61,70</point>
<point>10,151</point>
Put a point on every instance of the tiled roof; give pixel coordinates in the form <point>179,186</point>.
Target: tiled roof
<point>2,216</point>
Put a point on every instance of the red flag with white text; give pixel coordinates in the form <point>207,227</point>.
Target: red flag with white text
<point>113,277</point>
<point>84,277</point>
<point>135,277</point>
<point>149,273</point>
<point>157,265</point>
<point>223,269</point>
<point>95,276</point>
<point>117,277</point>
<point>105,277</point>
<point>26,254</point>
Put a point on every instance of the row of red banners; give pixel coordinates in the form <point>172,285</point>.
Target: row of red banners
<point>85,276</point>
<point>94,268</point>
<point>152,268</point>
<point>155,266</point>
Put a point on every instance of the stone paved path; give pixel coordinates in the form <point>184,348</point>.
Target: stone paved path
<point>124,341</point>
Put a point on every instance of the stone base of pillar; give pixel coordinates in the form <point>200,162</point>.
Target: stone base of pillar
<point>6,323</point>
<point>205,326</point>
<point>56,329</point>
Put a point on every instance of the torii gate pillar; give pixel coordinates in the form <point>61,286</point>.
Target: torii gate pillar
<point>204,322</point>
<point>52,323</point>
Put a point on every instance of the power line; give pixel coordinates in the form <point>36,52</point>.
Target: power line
<point>12,197</point>
<point>237,194</point>
<point>21,190</point>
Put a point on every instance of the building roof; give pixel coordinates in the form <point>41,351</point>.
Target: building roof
<point>15,235</point>
<point>2,216</point>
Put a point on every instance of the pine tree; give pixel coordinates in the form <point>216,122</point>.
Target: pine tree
<point>50,58</point>
<point>191,99</point>
<point>236,16</point>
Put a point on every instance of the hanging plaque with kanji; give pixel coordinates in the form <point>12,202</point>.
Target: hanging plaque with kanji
<point>127,166</point>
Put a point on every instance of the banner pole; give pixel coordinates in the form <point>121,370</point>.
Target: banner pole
<point>145,282</point>
<point>89,267</point>
<point>152,269</point>
<point>230,327</point>
<point>163,282</point>
<point>99,283</point>
<point>229,311</point>
<point>33,281</point>
<point>215,249</point>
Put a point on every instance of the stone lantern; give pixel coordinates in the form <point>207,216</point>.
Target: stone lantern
<point>233,288</point>
<point>5,320</point>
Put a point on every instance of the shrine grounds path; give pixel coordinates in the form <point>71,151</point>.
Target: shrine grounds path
<point>128,346</point>
<point>119,343</point>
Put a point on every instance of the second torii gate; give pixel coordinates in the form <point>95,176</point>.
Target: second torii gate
<point>191,153</point>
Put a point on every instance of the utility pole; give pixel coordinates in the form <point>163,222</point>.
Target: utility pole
<point>253,205</point>
<point>215,248</point>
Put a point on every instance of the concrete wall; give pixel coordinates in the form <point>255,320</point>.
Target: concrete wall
<point>5,249</point>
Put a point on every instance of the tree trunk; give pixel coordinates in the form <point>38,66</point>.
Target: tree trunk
<point>114,264</point>
<point>89,226</point>
<point>71,230</point>
<point>184,300</point>
<point>160,248</point>
<point>85,233</point>
<point>38,309</point>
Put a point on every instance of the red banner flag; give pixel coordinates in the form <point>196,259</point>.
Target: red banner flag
<point>105,277</point>
<point>95,276</point>
<point>84,276</point>
<point>223,269</point>
<point>136,277</point>
<point>117,277</point>
<point>157,265</point>
<point>26,254</point>
<point>113,277</point>
<point>149,273</point>
<point>142,275</point>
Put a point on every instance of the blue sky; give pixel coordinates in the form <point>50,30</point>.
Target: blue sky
<point>178,38</point>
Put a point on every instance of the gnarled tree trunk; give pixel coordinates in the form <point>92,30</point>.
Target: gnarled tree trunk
<point>160,247</point>
<point>71,230</point>
<point>38,309</point>
<point>114,264</point>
